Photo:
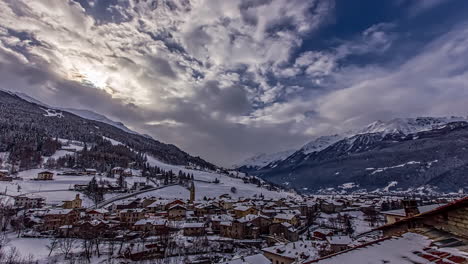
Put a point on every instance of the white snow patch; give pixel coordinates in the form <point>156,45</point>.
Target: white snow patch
<point>390,184</point>
<point>52,113</point>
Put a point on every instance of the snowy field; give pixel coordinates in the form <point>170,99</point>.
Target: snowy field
<point>57,190</point>
<point>211,189</point>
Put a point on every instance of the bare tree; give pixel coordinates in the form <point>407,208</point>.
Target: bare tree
<point>53,245</point>
<point>66,245</point>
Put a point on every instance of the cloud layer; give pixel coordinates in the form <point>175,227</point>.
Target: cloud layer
<point>226,79</point>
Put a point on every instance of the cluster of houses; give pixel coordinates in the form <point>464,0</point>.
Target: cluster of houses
<point>281,230</point>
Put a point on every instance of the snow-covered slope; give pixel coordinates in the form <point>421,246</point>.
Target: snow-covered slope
<point>87,114</point>
<point>97,117</point>
<point>261,160</point>
<point>408,125</point>
<point>403,126</point>
<point>321,143</point>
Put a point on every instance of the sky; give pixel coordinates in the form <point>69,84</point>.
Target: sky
<point>227,79</point>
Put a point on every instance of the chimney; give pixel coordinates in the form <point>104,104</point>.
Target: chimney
<point>411,207</point>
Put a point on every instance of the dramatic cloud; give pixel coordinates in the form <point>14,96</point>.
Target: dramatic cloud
<point>226,79</point>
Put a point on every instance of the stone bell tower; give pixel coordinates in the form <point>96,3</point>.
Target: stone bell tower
<point>192,192</point>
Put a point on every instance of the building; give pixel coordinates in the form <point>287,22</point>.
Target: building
<point>295,252</point>
<point>241,211</point>
<point>410,209</point>
<point>138,186</point>
<point>45,176</point>
<point>152,226</point>
<point>90,172</point>
<point>176,212</point>
<point>97,214</point>
<point>56,218</point>
<point>450,218</point>
<point>339,243</point>
<point>439,235</point>
<point>5,175</point>
<point>322,233</point>
<point>73,204</point>
<point>29,201</point>
<point>192,192</point>
<point>194,229</point>
<point>254,259</point>
<point>286,218</point>
<point>130,216</point>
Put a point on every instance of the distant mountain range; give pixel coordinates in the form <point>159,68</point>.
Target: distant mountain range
<point>403,154</point>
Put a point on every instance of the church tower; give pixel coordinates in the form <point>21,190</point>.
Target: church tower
<point>192,192</point>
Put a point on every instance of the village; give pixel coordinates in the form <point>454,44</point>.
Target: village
<point>231,229</point>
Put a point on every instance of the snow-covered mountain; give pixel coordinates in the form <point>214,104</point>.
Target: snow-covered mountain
<point>403,153</point>
<point>403,126</point>
<point>36,124</point>
<point>408,125</point>
<point>261,160</point>
<point>87,114</point>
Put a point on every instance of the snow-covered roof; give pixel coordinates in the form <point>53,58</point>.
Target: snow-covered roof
<point>177,206</point>
<point>303,250</point>
<point>194,225</point>
<point>151,221</point>
<point>242,208</point>
<point>223,217</point>
<point>339,240</point>
<point>408,248</point>
<point>99,211</point>
<point>254,259</point>
<point>422,209</point>
<point>59,211</point>
<point>285,216</point>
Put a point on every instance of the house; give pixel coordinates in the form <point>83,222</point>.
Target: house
<point>450,218</point>
<point>138,186</point>
<point>331,206</point>
<point>169,204</point>
<point>176,212</point>
<point>152,226</point>
<point>263,223</point>
<point>286,218</point>
<point>216,220</point>
<point>194,229</point>
<point>410,208</point>
<point>241,211</point>
<point>130,216</point>
<point>73,204</point>
<point>295,252</point>
<point>435,236</point>
<point>45,176</point>
<point>90,172</point>
<point>254,259</point>
<point>322,233</point>
<point>225,228</point>
<point>339,243</point>
<point>56,218</point>
<point>119,171</point>
<point>97,214</point>
<point>29,201</point>
<point>406,248</point>
<point>284,230</point>
<point>5,175</point>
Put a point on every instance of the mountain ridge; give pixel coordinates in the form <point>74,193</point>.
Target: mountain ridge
<point>428,153</point>
<point>37,125</point>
